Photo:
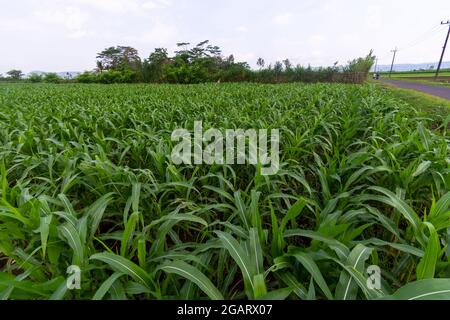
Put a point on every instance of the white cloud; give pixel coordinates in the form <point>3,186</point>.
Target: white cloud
<point>125,6</point>
<point>71,18</point>
<point>158,34</point>
<point>13,25</point>
<point>113,6</point>
<point>316,40</point>
<point>244,56</point>
<point>157,4</point>
<point>348,39</point>
<point>150,5</point>
<point>241,29</point>
<point>283,19</point>
<point>374,17</point>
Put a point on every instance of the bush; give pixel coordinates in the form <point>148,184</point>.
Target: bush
<point>108,77</point>
<point>35,78</point>
<point>86,77</point>
<point>52,78</point>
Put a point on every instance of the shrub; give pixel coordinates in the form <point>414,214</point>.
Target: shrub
<point>35,78</point>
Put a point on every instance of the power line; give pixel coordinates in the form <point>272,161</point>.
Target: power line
<point>431,33</point>
<point>443,49</point>
<point>424,37</point>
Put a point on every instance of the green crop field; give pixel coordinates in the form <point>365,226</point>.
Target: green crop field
<point>87,181</point>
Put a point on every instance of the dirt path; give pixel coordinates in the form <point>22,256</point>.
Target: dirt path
<point>442,92</point>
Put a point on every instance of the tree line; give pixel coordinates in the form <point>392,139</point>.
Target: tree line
<point>200,63</point>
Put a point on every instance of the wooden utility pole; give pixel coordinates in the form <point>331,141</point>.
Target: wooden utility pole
<point>443,50</point>
<point>393,60</point>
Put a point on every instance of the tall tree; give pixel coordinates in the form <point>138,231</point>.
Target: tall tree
<point>120,57</point>
<point>154,65</point>
<point>278,67</point>
<point>100,66</point>
<point>15,74</point>
<point>260,63</point>
<point>287,64</point>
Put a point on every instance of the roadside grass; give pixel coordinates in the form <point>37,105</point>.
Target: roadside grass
<point>443,73</point>
<point>425,103</point>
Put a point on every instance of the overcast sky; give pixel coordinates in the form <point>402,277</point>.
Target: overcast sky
<point>65,35</point>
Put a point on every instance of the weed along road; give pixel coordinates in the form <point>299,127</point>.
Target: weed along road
<point>442,92</point>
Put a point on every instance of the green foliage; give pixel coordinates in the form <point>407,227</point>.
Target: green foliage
<point>361,64</point>
<point>118,58</point>
<point>108,77</point>
<point>153,67</point>
<point>205,63</point>
<point>35,78</point>
<point>52,78</point>
<point>15,74</point>
<point>86,178</point>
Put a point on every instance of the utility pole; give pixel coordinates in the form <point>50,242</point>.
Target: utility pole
<point>393,59</point>
<point>376,65</point>
<point>443,50</point>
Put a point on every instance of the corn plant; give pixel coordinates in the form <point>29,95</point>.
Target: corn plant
<point>86,179</point>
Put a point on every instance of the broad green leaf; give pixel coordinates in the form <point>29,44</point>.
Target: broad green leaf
<point>429,289</point>
<point>67,205</point>
<point>293,212</point>
<point>96,211</point>
<point>73,239</point>
<point>123,265</point>
<point>260,288</point>
<point>240,257</point>
<point>421,168</point>
<point>44,228</point>
<point>289,279</point>
<point>241,209</point>
<point>347,287</point>
<point>135,194</point>
<point>178,217</point>
<point>191,273</point>
<point>391,199</point>
<point>256,250</point>
<point>427,265</point>
<point>142,252</point>
<point>106,286</point>
<point>341,250</point>
<point>60,292</point>
<point>278,294</point>
<point>4,181</point>
<point>440,207</point>
<point>127,235</point>
<point>314,270</point>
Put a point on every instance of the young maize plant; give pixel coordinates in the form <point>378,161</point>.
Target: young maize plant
<point>86,181</point>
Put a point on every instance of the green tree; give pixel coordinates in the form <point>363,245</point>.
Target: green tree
<point>15,74</point>
<point>119,58</point>
<point>287,65</point>
<point>153,67</point>
<point>35,77</point>
<point>99,66</point>
<point>260,63</point>
<point>52,78</point>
